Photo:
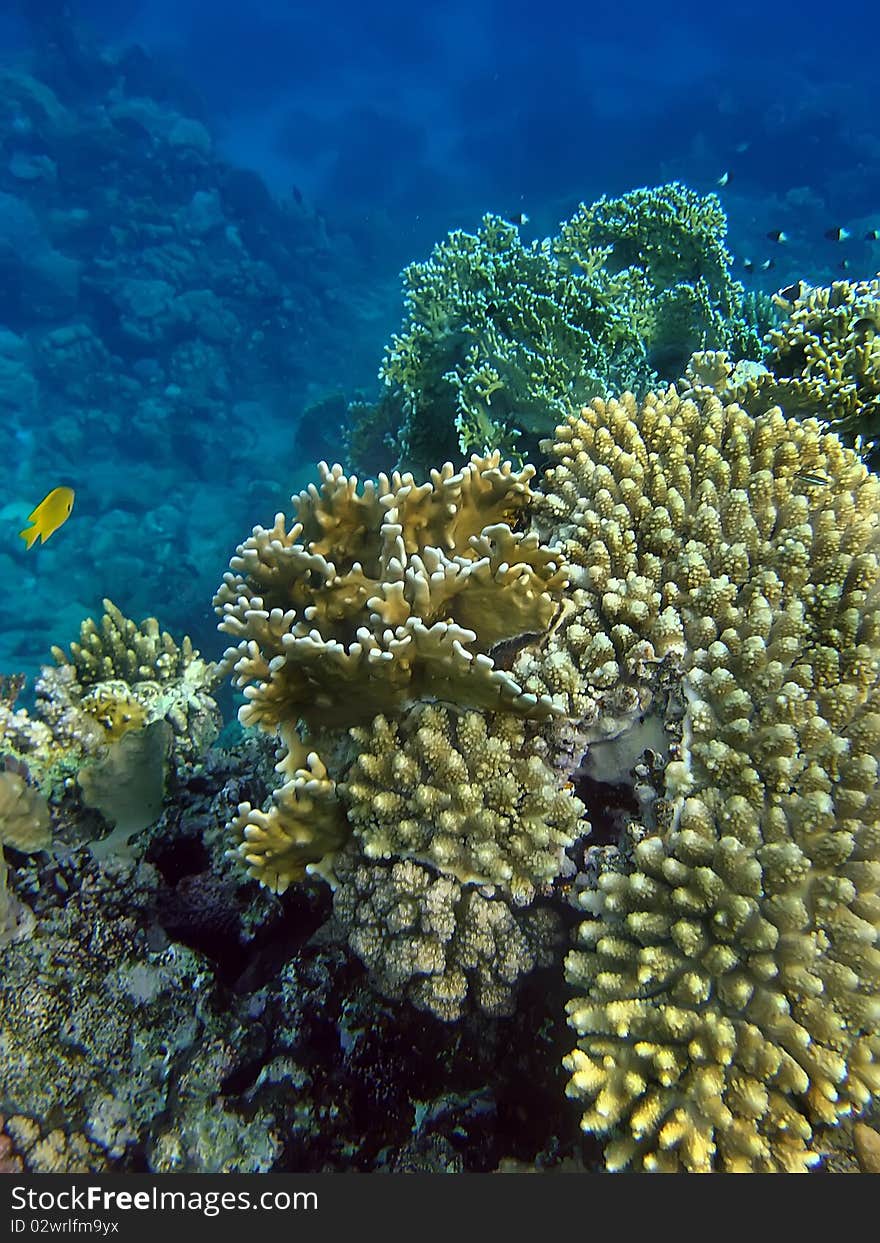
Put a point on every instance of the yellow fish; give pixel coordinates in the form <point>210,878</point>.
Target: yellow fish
<point>51,513</point>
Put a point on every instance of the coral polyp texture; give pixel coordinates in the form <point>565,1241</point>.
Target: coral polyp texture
<point>425,937</point>
<point>727,971</point>
<point>120,677</point>
<point>822,361</point>
<point>468,793</point>
<point>372,600</point>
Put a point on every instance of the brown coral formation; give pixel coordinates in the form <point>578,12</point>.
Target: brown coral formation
<point>728,973</point>
<point>371,601</point>
<point>425,937</point>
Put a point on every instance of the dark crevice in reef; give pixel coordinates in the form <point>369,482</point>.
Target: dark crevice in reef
<point>204,911</point>
<point>178,854</point>
<point>417,1094</point>
<point>610,805</point>
<point>299,914</point>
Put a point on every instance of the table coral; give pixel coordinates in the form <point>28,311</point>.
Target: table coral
<point>727,970</point>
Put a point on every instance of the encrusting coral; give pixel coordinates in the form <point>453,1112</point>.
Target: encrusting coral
<point>728,971</point>
<point>370,602</point>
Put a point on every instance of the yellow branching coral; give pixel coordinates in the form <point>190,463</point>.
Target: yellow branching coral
<point>120,677</point>
<point>371,601</point>
<point>470,794</point>
<point>305,823</point>
<point>426,938</point>
<point>728,968</point>
<point>376,599</point>
<point>118,648</point>
<point>822,361</point>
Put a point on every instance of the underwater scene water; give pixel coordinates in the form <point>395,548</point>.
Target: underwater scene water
<point>440,650</point>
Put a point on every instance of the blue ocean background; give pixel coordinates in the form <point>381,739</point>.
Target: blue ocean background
<point>205,207</point>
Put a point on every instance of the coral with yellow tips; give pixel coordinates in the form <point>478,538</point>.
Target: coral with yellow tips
<point>469,793</point>
<point>727,970</point>
<point>822,361</point>
<point>375,599</point>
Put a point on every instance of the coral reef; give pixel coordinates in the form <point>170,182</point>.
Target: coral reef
<point>116,718</point>
<point>158,298</point>
<point>169,1015</point>
<point>24,825</point>
<point>371,601</point>
<point>674,239</point>
<point>822,361</point>
<point>425,937</point>
<point>469,794</point>
<point>727,972</point>
<point>500,338</point>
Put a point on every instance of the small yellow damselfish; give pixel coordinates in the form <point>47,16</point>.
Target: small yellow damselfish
<point>51,513</point>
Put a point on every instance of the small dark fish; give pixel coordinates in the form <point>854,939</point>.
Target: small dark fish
<point>766,265</point>
<point>844,265</point>
<point>297,194</point>
<point>839,234</point>
<point>723,179</point>
<point>791,293</point>
<point>741,148</point>
<point>820,481</point>
<point>503,653</point>
<point>777,235</point>
<point>873,235</point>
<point>748,265</point>
<point>519,218</point>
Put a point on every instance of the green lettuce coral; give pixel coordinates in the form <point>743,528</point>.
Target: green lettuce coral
<point>500,337</point>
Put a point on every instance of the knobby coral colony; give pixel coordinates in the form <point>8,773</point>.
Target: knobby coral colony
<point>438,657</point>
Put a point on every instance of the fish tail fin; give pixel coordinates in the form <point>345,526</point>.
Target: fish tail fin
<point>29,535</point>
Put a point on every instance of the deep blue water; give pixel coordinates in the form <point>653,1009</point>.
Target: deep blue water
<point>367,131</point>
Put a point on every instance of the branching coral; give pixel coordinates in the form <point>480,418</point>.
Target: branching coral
<point>370,602</point>
<point>500,338</point>
<point>469,793</point>
<point>674,238</point>
<point>426,938</point>
<point>118,648</point>
<point>121,677</point>
<point>728,970</point>
<point>823,361</point>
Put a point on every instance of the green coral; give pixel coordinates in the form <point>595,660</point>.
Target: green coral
<point>823,361</point>
<point>500,337</point>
